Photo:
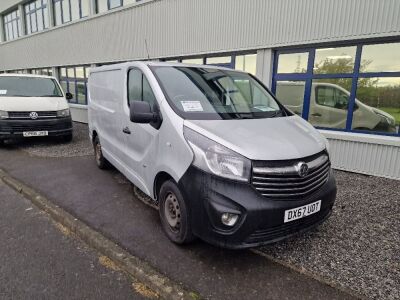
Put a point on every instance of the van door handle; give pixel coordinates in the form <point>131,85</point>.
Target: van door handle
<point>316,115</point>
<point>126,130</point>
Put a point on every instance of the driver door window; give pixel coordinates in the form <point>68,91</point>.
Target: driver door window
<point>139,88</point>
<point>332,97</point>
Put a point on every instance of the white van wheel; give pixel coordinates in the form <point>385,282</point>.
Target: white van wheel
<point>100,159</point>
<point>174,214</point>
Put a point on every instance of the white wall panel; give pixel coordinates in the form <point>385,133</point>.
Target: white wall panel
<point>372,155</point>
<point>190,27</point>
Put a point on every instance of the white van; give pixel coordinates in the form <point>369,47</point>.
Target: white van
<point>329,106</point>
<point>221,157</point>
<point>32,106</point>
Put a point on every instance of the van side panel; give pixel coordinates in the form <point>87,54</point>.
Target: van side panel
<point>105,107</point>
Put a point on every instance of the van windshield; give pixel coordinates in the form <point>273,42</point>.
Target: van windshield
<point>205,93</point>
<point>14,86</point>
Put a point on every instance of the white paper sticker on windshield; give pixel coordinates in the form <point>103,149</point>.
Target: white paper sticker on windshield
<point>3,92</point>
<point>264,108</point>
<point>192,106</point>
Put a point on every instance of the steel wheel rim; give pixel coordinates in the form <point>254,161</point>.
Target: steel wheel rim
<point>172,212</point>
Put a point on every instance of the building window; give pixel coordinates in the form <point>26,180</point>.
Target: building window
<point>42,71</point>
<point>16,71</point>
<point>293,63</point>
<point>36,16</point>
<point>74,81</point>
<point>70,10</point>
<point>351,88</point>
<point>195,61</point>
<point>12,25</point>
<point>246,62</point>
<point>105,5</point>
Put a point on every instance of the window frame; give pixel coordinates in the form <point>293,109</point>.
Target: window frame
<point>75,81</point>
<point>33,12</point>
<point>108,4</point>
<point>309,76</point>
<point>81,16</point>
<point>9,20</point>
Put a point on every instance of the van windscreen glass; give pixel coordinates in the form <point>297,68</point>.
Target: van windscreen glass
<point>206,93</point>
<point>14,86</point>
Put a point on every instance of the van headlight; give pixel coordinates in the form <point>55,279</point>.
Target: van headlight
<point>3,114</point>
<point>384,118</point>
<point>214,158</point>
<point>63,113</point>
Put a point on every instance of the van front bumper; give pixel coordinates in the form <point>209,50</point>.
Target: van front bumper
<point>261,220</point>
<point>12,129</point>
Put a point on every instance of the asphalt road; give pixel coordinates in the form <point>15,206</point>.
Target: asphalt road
<point>104,200</point>
<point>38,260</point>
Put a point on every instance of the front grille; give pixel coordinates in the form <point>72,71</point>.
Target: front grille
<point>26,114</point>
<point>287,228</point>
<point>21,126</point>
<point>281,179</point>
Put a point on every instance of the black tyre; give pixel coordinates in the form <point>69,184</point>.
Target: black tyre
<point>1,143</point>
<point>174,214</point>
<point>67,138</point>
<point>101,161</point>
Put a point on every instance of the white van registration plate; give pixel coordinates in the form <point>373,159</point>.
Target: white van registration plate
<point>302,211</point>
<point>35,133</point>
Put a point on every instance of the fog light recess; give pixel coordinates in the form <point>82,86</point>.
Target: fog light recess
<point>229,219</point>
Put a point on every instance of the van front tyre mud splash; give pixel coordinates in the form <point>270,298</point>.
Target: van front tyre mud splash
<point>101,161</point>
<point>174,214</point>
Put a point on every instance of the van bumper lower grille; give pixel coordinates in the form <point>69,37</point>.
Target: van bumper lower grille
<point>16,127</point>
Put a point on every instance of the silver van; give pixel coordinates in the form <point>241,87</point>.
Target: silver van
<point>329,107</point>
<point>219,155</point>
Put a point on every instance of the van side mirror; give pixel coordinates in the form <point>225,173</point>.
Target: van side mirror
<point>69,96</point>
<point>141,112</point>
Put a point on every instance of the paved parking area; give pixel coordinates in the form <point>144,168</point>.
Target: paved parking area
<point>38,261</point>
<point>357,248</point>
<point>106,202</point>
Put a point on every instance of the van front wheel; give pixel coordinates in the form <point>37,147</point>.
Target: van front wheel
<point>100,159</point>
<point>174,214</point>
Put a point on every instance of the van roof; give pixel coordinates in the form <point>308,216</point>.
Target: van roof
<point>25,75</point>
<point>159,63</point>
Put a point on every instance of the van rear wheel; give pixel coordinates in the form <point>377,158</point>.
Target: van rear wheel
<point>174,214</point>
<point>101,161</point>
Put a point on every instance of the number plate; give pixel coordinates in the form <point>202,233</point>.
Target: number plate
<point>302,211</point>
<point>35,133</point>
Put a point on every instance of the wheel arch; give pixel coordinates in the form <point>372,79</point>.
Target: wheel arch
<point>160,178</point>
<point>94,135</point>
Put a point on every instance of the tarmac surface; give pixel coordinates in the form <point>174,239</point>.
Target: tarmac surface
<point>104,200</point>
<point>40,261</point>
<point>357,248</point>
